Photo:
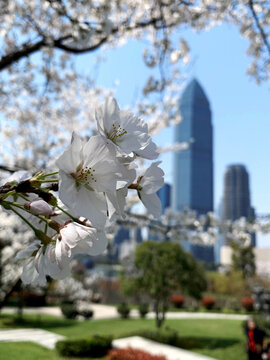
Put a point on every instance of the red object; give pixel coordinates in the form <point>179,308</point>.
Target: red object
<point>247,303</point>
<point>132,354</point>
<point>178,300</point>
<point>208,302</point>
<point>251,342</point>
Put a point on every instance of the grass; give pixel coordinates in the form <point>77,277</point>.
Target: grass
<point>25,351</point>
<point>220,339</point>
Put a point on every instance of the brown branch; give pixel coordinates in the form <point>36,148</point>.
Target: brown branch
<point>260,28</point>
<point>60,45</point>
<point>26,50</point>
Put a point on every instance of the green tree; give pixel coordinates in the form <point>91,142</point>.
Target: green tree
<point>243,259</point>
<point>231,284</point>
<point>163,268</point>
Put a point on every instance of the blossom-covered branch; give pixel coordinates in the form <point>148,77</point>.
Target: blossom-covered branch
<point>68,214</point>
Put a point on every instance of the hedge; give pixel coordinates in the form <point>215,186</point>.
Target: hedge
<point>96,346</point>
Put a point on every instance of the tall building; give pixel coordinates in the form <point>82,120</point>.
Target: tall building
<point>236,196</point>
<point>193,168</point>
<point>165,196</point>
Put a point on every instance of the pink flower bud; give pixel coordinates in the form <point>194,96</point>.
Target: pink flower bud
<point>40,207</point>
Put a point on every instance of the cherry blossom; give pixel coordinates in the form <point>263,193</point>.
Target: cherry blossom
<point>75,238</point>
<point>39,207</point>
<point>128,132</point>
<point>87,171</point>
<point>39,262</point>
<point>148,184</point>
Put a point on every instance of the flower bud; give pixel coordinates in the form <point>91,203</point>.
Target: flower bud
<point>40,207</point>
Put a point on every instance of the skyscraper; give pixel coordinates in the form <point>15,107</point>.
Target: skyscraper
<point>165,196</point>
<point>193,168</point>
<point>236,196</point>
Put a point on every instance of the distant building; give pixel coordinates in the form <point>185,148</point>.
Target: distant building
<point>165,196</point>
<point>261,259</point>
<point>236,196</point>
<point>125,239</point>
<point>193,168</point>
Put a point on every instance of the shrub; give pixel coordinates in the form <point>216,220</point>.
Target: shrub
<point>233,304</point>
<point>96,346</point>
<point>177,300</point>
<point>69,310</point>
<point>168,336</point>
<point>87,313</point>
<point>132,354</point>
<point>247,303</point>
<point>143,310</point>
<point>208,302</point>
<point>124,310</point>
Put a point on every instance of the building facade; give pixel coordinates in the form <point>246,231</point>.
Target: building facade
<point>164,195</point>
<point>236,195</point>
<point>193,168</point>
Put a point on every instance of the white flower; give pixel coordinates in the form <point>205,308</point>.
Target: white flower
<point>87,171</point>
<point>77,239</point>
<point>40,207</point>
<point>126,131</point>
<point>150,152</point>
<point>40,263</point>
<point>116,201</point>
<point>150,183</point>
<point>17,176</point>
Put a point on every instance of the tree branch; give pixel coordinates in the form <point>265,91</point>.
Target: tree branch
<point>257,21</point>
<point>26,50</point>
<point>30,48</point>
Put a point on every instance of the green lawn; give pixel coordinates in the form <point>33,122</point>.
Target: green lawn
<point>221,339</point>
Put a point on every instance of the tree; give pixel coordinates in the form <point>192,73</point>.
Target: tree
<point>162,268</point>
<point>45,95</point>
<point>239,238</point>
<point>42,90</point>
<point>243,259</point>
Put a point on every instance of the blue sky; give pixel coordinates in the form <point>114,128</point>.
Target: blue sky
<point>240,107</point>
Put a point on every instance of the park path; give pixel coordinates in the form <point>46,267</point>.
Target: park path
<point>109,312</point>
<point>155,348</point>
<point>48,340</point>
<point>39,336</point>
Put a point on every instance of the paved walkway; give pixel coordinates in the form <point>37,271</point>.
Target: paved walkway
<point>39,336</point>
<point>110,312</point>
<point>48,340</point>
<point>155,348</point>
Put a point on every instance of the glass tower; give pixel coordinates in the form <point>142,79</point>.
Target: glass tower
<point>165,196</point>
<point>193,168</point>
<point>236,196</point>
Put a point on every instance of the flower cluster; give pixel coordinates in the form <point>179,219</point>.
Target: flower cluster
<point>69,214</point>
